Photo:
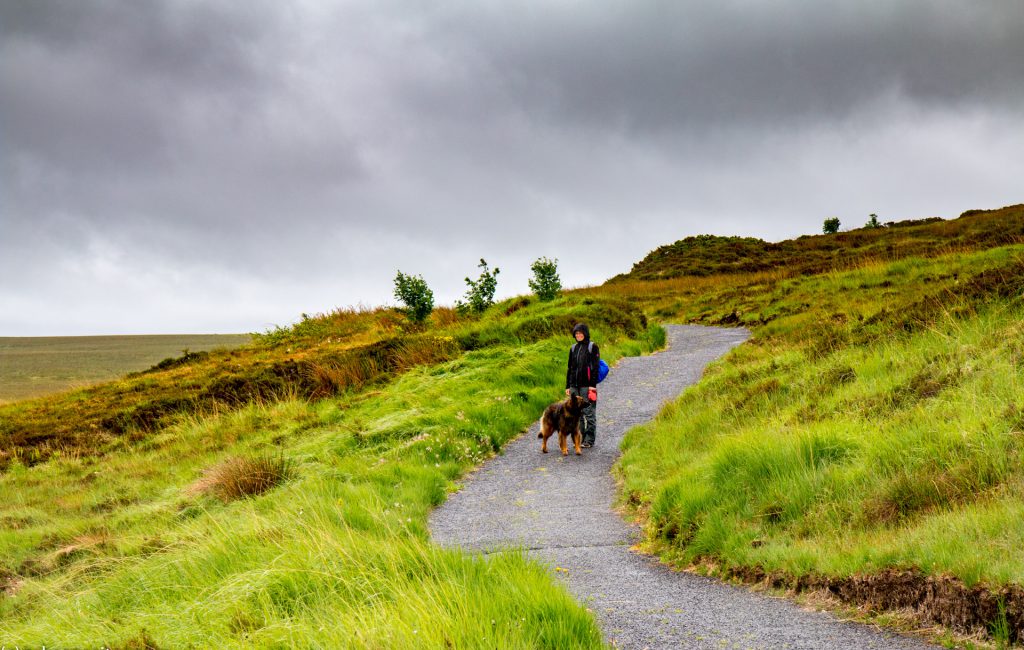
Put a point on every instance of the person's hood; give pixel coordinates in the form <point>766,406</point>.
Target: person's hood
<point>580,327</point>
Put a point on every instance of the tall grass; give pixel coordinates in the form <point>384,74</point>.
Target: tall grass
<point>336,556</point>
<point>316,358</point>
<point>836,444</point>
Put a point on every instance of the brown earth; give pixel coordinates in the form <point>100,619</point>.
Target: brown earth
<point>9,583</point>
<point>945,600</point>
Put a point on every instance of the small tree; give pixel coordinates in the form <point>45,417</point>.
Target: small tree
<point>873,222</point>
<point>413,291</point>
<point>545,282</point>
<point>831,225</point>
<point>480,294</point>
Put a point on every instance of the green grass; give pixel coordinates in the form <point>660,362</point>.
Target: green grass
<point>874,422</point>
<point>115,549</point>
<point>36,366</point>
<point>320,356</point>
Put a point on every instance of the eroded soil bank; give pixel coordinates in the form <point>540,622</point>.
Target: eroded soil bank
<point>945,600</point>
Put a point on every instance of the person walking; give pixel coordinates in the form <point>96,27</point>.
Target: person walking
<point>581,379</point>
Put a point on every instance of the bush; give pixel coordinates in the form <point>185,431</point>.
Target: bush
<point>480,294</point>
<point>873,222</point>
<point>416,295</point>
<point>545,282</point>
<point>831,226</point>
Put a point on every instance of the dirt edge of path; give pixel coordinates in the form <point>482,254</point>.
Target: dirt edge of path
<point>944,600</point>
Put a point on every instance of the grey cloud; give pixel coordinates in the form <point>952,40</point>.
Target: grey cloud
<point>209,44</point>
<point>93,75</point>
<point>656,66</point>
<point>293,155</point>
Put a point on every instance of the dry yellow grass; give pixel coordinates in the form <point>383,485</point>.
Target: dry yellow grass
<point>242,476</point>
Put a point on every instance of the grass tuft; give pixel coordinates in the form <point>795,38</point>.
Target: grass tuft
<point>243,476</point>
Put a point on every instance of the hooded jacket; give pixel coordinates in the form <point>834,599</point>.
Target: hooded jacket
<point>583,361</point>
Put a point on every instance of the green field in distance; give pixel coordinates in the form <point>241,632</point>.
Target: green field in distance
<point>33,366</point>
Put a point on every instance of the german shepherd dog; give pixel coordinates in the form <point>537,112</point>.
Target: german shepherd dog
<point>565,418</point>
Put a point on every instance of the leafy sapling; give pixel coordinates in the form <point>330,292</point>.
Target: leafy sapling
<point>480,294</point>
<point>545,282</point>
<point>413,291</point>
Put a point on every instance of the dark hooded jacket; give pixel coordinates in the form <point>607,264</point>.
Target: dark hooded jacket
<point>583,361</point>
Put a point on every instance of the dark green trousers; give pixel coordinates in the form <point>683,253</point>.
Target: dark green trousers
<point>588,423</point>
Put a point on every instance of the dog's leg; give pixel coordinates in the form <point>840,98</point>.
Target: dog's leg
<point>544,434</point>
<point>562,442</point>
<point>576,438</point>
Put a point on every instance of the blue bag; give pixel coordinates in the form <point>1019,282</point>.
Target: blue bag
<point>602,367</point>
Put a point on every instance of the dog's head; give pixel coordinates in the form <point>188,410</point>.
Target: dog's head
<point>574,405</point>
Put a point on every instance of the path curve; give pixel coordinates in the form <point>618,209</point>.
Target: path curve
<point>520,499</point>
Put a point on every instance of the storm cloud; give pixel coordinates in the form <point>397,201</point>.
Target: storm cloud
<point>192,166</point>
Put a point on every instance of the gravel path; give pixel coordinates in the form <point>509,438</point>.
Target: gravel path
<point>522,499</point>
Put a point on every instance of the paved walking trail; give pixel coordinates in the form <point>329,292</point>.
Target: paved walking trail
<point>561,511</point>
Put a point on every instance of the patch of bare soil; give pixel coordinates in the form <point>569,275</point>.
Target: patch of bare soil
<point>9,583</point>
<point>945,600</point>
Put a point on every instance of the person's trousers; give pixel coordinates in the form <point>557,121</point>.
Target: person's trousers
<point>588,423</point>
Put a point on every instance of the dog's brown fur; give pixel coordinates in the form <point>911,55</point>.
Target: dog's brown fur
<point>563,417</point>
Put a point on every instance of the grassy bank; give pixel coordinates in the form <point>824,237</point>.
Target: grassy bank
<point>873,424</point>
<point>120,548</point>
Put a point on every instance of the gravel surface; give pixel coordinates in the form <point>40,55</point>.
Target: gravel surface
<point>560,509</point>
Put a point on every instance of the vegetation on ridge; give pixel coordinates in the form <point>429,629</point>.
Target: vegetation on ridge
<point>705,255</point>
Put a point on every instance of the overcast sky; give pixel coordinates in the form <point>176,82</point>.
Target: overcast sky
<point>195,166</point>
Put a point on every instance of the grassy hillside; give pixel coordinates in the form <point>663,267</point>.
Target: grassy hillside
<point>36,366</point>
<point>867,441</point>
<point>317,358</point>
<point>144,544</point>
<point>705,255</point>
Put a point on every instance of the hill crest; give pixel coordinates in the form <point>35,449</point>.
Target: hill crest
<point>704,255</point>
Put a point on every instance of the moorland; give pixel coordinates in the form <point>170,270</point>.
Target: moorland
<point>33,366</point>
<point>866,443</point>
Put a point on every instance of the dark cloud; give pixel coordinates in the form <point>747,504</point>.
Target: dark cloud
<point>657,66</point>
<point>190,165</point>
<point>94,87</point>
